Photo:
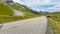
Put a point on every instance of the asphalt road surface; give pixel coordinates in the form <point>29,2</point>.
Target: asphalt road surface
<point>30,26</point>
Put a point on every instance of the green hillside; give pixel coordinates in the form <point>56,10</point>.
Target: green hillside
<point>7,13</point>
<point>5,10</point>
<point>20,8</point>
<point>55,13</point>
<point>55,22</point>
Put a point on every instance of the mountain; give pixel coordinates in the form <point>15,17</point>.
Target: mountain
<point>12,11</point>
<point>8,8</point>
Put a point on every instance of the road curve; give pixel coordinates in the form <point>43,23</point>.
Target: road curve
<point>30,26</point>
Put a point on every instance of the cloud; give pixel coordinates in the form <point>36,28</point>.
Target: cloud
<point>44,5</point>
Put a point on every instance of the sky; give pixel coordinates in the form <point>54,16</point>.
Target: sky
<point>42,5</point>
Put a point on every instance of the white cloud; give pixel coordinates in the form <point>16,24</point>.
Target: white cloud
<point>34,3</point>
<point>16,0</point>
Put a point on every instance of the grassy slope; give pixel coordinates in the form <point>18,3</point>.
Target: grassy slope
<point>55,23</point>
<point>18,7</point>
<point>55,14</point>
<point>4,10</point>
